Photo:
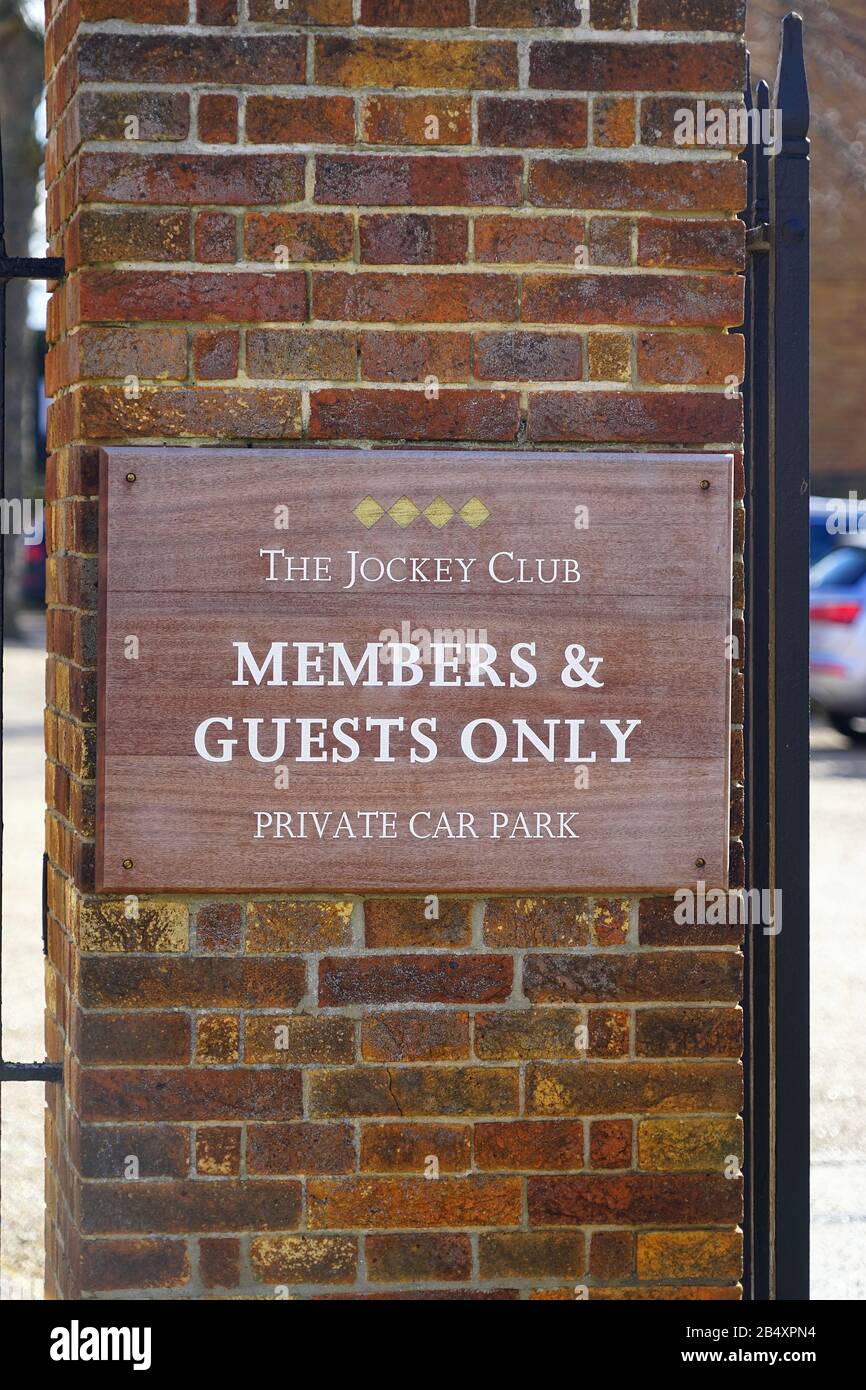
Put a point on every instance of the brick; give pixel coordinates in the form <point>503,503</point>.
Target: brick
<point>195,1205</point>
<point>394,180</point>
<point>301,354</point>
<point>102,1151</point>
<point>298,236</point>
<point>529,1145</point>
<point>597,1088</point>
<point>217,1038</point>
<point>405,1148</point>
<point>413,1091</point>
<point>106,926</point>
<point>613,122</point>
<point>218,927</point>
<point>657,927</point>
<point>402,922</point>
<point>290,1039</point>
<point>524,14</point>
<point>609,1032</point>
<point>379,296</point>
<point>692,1293</point>
<point>151,354</point>
<point>531,1255</point>
<point>689,1032</point>
<point>635,67</point>
<point>472,415</point>
<point>383,1203</point>
<point>610,1144</point>
<point>662,124</point>
<point>215,355</point>
<point>275,928</point>
<point>675,186</point>
<point>135,11</point>
<point>304,1259</point>
<point>610,14</point>
<point>634,417</point>
<point>633,1199</point>
<point>393,356</point>
<point>193,983</point>
<point>521,240</point>
<point>117,296</point>
<point>303,12</point>
<point>218,1152</point>
<point>610,921</point>
<point>609,357</point>
<point>187,58</point>
<point>528,357</point>
<point>391,62</point>
<point>638,976</point>
<point>152,1093</point>
<point>420,1257</point>
<point>531,123</point>
<point>190,178</point>
<point>527,922</point>
<point>217,119</point>
<point>133,1264</point>
<point>216,412</point>
<point>219,1263</point>
<point>611,1255</point>
<point>159,115</point>
<point>102,234</point>
<point>413,1035</point>
<point>216,238</point>
<point>413,239</point>
<point>689,1255</point>
<point>275,1149</point>
<point>515,1034</point>
<point>701,245</point>
<point>728,16</point>
<point>150,1037</point>
<point>392,14</point>
<point>321,120</point>
<point>407,979</point>
<point>407,120</point>
<point>644,300</point>
<point>217,12</point>
<point>610,241</point>
<point>690,359</point>
<point>689,1145</point>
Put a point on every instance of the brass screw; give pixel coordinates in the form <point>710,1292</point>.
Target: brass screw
<point>700,863</point>
<point>130,477</point>
<point>127,863</point>
<point>705,485</point>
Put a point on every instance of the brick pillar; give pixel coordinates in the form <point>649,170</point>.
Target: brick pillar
<point>279,222</point>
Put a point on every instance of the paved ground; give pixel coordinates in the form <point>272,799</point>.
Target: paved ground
<point>839,988</point>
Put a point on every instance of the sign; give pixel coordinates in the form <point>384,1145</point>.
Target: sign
<point>331,670</point>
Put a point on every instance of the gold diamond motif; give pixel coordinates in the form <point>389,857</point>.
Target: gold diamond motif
<point>368,512</point>
<point>404,511</point>
<point>474,512</point>
<point>439,512</point>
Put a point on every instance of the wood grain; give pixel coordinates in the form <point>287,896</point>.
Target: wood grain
<point>181,571</point>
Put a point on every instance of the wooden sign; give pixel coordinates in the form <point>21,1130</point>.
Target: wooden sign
<point>330,670</point>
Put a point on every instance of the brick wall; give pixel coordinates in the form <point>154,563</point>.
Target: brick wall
<point>279,223</point>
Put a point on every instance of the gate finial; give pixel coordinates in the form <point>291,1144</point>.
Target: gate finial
<point>791,95</point>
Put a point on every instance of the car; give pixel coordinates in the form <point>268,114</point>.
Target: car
<point>837,612</point>
<point>831,519</point>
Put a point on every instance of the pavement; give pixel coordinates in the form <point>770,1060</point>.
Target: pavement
<point>838,991</point>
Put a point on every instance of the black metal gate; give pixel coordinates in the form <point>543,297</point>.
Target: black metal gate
<point>777,682</point>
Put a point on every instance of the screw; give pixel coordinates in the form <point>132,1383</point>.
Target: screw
<point>705,485</point>
<point>130,477</point>
<point>700,863</point>
<point>127,863</point>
